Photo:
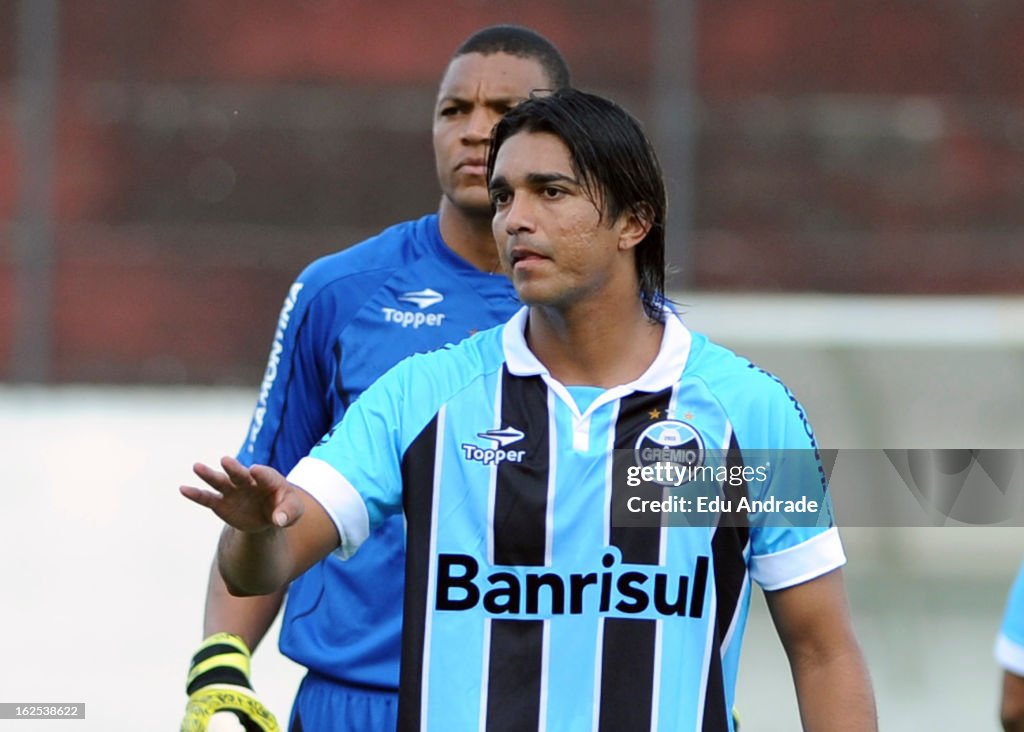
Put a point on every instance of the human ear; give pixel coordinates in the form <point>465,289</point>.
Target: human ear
<point>634,226</point>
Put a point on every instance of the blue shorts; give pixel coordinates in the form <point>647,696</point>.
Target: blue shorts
<point>324,705</point>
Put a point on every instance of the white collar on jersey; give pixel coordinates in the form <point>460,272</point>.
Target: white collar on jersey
<point>663,372</point>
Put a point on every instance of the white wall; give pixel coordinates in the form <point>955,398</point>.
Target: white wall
<point>895,372</point>
<point>103,562</point>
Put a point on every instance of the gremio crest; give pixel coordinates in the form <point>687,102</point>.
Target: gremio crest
<point>670,442</point>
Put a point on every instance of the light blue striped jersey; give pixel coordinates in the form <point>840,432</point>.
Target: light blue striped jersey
<point>348,318</point>
<point>528,606</point>
<point>1010,642</point>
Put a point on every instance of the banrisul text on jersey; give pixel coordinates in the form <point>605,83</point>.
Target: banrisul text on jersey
<point>625,590</point>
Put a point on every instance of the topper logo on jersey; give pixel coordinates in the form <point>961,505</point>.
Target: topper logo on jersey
<point>674,447</point>
<point>493,455</point>
<point>422,299</point>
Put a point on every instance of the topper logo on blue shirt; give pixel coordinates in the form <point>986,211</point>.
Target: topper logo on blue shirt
<point>494,455</point>
<point>422,299</point>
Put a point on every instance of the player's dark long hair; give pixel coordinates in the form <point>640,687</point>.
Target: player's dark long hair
<point>614,161</point>
<point>515,40</point>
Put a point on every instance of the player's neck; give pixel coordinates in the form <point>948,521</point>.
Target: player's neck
<point>593,344</point>
<point>469,236</point>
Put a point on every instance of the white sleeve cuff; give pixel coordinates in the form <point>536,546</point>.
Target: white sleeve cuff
<point>816,556</point>
<point>1010,655</point>
<point>339,499</point>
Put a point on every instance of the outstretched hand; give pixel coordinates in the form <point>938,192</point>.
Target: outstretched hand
<point>249,499</point>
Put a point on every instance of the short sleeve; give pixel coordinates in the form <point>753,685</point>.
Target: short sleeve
<point>788,548</point>
<point>354,472</point>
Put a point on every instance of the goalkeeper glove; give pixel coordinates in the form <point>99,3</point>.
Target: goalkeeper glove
<point>221,698</point>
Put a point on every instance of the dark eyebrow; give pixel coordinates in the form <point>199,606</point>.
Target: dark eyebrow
<point>540,179</point>
<point>451,99</point>
<point>490,102</point>
<point>537,180</point>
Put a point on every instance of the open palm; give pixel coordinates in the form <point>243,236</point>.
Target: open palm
<point>249,499</point>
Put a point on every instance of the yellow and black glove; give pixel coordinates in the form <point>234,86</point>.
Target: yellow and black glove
<point>220,697</point>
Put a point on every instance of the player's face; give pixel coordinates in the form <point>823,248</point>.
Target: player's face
<point>552,238</point>
<point>475,91</point>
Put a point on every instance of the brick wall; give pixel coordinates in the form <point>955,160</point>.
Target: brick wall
<point>207,151</point>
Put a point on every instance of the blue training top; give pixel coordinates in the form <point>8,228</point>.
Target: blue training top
<point>347,319</point>
<point>528,602</point>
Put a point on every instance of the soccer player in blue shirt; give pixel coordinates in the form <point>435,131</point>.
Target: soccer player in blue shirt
<point>348,318</point>
<point>1009,653</point>
<point>530,605</point>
